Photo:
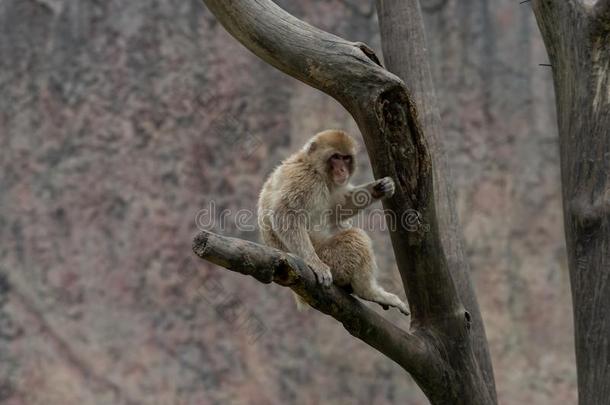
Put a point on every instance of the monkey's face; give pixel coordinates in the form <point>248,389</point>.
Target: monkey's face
<point>332,153</point>
<point>340,167</point>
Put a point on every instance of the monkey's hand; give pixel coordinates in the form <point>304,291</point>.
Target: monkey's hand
<point>383,188</point>
<point>322,272</point>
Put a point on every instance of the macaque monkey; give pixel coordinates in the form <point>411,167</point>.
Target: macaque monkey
<point>303,208</point>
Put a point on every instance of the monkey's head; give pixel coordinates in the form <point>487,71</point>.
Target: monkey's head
<point>332,153</point>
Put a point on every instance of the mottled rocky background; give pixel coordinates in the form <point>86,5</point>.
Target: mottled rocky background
<point>126,124</point>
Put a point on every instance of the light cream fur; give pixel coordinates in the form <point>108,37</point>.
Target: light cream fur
<point>293,215</point>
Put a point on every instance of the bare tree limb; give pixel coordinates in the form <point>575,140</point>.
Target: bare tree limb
<point>559,7</point>
<point>578,45</point>
<point>548,12</point>
<point>405,54</point>
<point>271,265</point>
<point>299,49</point>
<point>552,17</point>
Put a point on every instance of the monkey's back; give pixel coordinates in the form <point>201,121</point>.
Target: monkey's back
<point>293,188</point>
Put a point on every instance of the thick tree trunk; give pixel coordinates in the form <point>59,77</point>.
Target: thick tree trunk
<point>577,39</point>
<point>405,54</point>
<point>444,363</point>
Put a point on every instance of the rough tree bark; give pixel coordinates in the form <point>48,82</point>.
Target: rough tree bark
<point>406,55</point>
<point>577,38</point>
<point>438,350</point>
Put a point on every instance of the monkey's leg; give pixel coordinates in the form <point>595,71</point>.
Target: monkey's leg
<point>352,262</point>
<point>371,291</point>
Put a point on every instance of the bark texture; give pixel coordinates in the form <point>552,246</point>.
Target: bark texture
<point>577,38</point>
<point>406,54</point>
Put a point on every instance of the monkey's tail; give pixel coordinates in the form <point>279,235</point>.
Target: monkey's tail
<point>302,305</point>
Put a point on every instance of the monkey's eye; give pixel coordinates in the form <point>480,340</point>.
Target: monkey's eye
<point>336,156</point>
<point>347,158</point>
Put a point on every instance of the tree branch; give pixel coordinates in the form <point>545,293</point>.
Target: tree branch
<point>299,49</point>
<point>558,7</point>
<point>271,265</point>
<point>553,17</point>
<point>405,54</point>
<point>549,12</point>
<point>579,50</point>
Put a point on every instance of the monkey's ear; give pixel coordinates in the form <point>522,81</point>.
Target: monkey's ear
<point>311,147</point>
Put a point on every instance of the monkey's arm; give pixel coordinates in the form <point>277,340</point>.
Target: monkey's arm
<point>360,197</point>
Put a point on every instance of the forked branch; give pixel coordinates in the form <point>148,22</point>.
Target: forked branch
<point>380,104</point>
<point>438,351</point>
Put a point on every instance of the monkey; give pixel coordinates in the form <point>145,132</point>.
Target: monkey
<point>304,207</point>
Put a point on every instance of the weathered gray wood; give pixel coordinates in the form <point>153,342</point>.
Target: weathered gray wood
<point>577,39</point>
<point>387,117</point>
<point>406,55</point>
<point>271,265</point>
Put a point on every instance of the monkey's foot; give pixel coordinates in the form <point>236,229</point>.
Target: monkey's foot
<point>384,299</point>
<point>323,274</point>
<point>403,308</point>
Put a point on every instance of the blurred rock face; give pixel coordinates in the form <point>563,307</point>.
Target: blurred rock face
<point>126,125</point>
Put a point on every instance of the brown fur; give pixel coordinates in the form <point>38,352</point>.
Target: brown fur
<point>291,217</point>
